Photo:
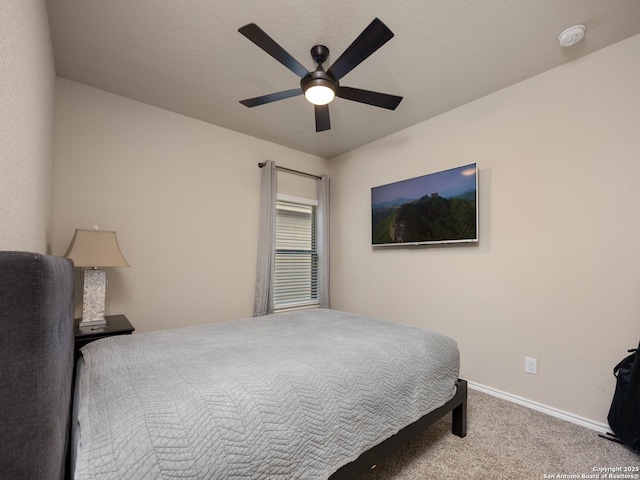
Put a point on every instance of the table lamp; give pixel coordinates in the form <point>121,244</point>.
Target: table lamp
<point>94,250</point>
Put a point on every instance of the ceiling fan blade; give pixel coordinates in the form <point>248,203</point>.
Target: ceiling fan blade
<point>376,99</point>
<point>266,43</point>
<point>272,97</point>
<point>370,40</point>
<point>322,118</point>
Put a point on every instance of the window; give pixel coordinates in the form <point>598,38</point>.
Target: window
<point>296,256</point>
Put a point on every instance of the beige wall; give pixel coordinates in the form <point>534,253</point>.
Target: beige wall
<point>182,195</point>
<point>556,275</point>
<point>27,79</point>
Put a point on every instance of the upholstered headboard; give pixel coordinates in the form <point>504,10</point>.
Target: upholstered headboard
<point>36,364</point>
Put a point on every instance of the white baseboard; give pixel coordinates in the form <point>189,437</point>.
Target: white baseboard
<point>554,412</point>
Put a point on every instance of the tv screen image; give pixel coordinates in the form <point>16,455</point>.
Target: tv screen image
<point>440,207</point>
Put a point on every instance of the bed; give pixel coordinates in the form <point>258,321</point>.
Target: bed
<point>314,394</point>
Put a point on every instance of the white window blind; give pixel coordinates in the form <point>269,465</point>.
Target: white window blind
<point>296,262</point>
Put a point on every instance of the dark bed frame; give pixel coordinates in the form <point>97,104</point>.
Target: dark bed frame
<point>36,371</point>
<point>369,459</point>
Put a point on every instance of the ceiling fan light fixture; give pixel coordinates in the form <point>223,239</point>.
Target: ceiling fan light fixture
<point>319,91</point>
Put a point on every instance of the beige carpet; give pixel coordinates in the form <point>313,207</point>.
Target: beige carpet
<point>506,441</point>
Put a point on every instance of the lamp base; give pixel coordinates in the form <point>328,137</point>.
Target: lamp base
<point>92,323</point>
<point>93,297</point>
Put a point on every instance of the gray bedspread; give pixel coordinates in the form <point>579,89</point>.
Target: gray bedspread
<point>286,396</point>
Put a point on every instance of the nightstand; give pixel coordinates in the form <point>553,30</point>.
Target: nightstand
<point>116,325</point>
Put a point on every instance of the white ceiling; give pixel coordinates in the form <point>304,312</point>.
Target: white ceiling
<point>188,57</point>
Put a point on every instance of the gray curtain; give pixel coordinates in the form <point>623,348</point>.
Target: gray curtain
<point>263,303</point>
<point>323,241</point>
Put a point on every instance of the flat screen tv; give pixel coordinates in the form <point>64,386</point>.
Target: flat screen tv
<point>440,207</point>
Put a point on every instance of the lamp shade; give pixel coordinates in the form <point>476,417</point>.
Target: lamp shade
<point>95,248</point>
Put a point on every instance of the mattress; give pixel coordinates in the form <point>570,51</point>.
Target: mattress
<point>284,396</point>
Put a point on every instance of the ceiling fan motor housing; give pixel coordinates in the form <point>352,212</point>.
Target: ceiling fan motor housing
<point>318,78</point>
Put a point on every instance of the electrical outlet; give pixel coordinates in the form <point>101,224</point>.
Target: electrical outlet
<point>531,365</point>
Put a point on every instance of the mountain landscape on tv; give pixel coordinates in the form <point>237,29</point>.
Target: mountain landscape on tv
<point>430,218</point>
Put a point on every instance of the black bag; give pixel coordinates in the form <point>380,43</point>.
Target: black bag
<point>624,415</point>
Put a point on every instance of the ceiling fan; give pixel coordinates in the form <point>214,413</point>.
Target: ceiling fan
<point>320,86</point>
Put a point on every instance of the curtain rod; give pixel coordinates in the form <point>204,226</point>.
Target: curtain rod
<point>290,170</point>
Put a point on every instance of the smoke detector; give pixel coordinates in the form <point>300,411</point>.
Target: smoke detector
<point>571,35</point>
